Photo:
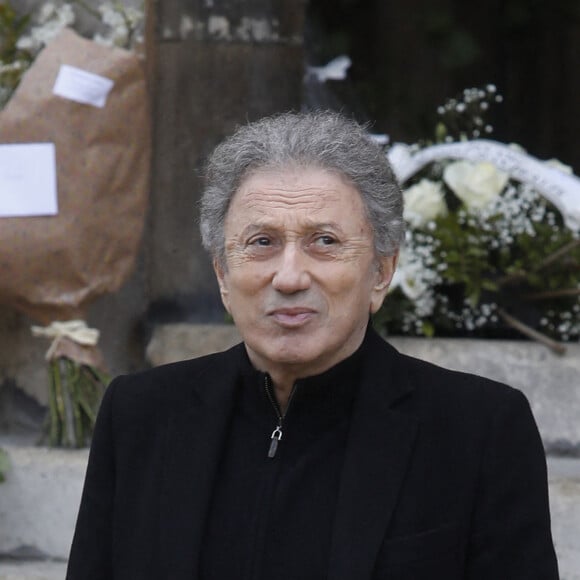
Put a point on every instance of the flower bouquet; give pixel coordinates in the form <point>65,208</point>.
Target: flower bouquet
<point>493,240</point>
<point>56,263</point>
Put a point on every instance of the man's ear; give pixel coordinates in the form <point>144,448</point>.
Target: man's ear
<point>385,271</point>
<point>221,275</point>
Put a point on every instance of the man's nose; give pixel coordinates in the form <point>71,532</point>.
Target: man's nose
<point>291,273</point>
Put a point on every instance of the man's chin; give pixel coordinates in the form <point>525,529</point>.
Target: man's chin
<point>284,350</point>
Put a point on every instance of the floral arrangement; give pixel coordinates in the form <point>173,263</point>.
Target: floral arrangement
<point>22,36</point>
<point>76,381</point>
<point>486,254</point>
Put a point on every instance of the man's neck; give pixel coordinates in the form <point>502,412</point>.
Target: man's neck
<point>283,385</point>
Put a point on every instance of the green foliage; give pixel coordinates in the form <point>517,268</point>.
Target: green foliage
<point>13,61</point>
<point>74,396</point>
<point>12,27</point>
<point>4,465</point>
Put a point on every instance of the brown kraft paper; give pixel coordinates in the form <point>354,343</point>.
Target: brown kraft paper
<point>52,267</point>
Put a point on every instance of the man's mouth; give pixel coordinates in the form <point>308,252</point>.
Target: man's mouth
<point>292,317</point>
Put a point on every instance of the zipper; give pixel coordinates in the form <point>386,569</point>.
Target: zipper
<point>277,433</point>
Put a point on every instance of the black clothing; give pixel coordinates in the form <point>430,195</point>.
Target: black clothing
<point>443,476</point>
<point>270,515</point>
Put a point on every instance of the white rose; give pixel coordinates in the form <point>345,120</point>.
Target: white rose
<point>517,147</point>
<point>409,277</point>
<point>475,184</point>
<point>424,201</point>
<point>557,164</point>
<point>412,286</point>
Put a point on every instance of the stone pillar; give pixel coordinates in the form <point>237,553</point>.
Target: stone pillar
<point>220,63</point>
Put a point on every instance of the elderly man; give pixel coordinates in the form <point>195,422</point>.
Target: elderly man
<point>313,450</point>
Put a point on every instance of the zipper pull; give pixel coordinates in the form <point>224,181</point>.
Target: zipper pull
<point>276,436</point>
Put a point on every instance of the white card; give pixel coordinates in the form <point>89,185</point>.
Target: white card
<point>82,86</point>
<point>28,180</point>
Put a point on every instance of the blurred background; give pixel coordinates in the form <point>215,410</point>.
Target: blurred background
<point>214,64</point>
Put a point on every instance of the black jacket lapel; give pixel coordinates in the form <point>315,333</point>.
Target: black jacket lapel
<point>195,437</point>
<point>378,451</point>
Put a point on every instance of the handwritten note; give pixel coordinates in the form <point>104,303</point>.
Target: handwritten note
<point>28,180</point>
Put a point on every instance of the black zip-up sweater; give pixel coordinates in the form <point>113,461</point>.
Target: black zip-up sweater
<point>272,518</point>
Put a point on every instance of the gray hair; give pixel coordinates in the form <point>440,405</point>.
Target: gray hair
<point>325,140</point>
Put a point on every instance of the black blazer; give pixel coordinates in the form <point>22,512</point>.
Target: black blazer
<point>444,476</point>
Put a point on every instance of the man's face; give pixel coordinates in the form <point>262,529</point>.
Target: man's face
<point>300,275</point>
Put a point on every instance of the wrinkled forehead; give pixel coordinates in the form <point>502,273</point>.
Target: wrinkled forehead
<point>310,192</point>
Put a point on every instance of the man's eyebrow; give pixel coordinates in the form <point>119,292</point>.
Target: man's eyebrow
<point>269,225</point>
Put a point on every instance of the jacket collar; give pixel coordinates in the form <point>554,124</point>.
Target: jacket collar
<point>379,448</point>
<point>193,447</point>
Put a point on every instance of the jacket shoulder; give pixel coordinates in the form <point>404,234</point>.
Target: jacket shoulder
<point>443,386</point>
<point>175,382</point>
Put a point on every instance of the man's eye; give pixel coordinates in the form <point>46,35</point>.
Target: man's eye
<point>261,241</point>
<point>325,241</point>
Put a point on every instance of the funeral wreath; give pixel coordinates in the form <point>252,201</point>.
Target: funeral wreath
<point>493,235</point>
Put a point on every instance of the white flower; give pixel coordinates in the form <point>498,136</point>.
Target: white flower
<point>416,281</point>
<point>27,43</point>
<point>424,202</point>
<point>134,16</point>
<point>517,147</point>
<point>475,184</point>
<point>557,164</point>
<point>408,277</point>
<point>51,21</point>
<point>111,16</point>
<point>122,24</point>
<point>15,66</point>
<point>104,40</point>
<point>410,282</point>
<point>47,12</point>
<point>401,159</point>
<point>66,15</point>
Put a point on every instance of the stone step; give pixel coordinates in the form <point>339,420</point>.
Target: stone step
<point>40,498</point>
<point>34,570</point>
<point>564,482</point>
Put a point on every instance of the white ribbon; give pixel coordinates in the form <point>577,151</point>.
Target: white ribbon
<point>335,70</point>
<point>561,189</point>
<point>75,330</point>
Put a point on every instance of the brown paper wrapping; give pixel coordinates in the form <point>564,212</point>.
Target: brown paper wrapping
<point>52,267</point>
